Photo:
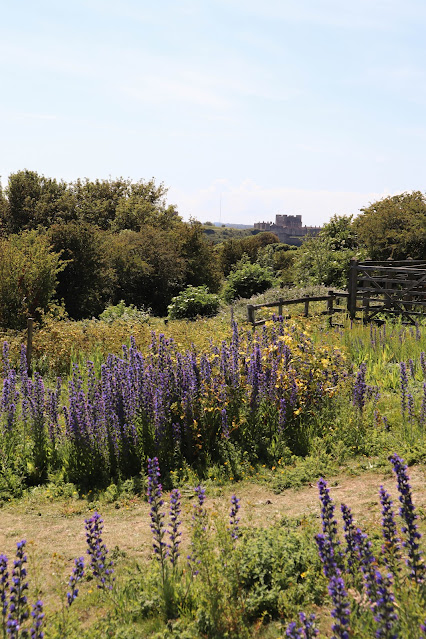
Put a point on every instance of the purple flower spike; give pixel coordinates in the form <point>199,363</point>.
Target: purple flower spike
<point>341,611</point>
<point>360,388</point>
<point>352,550</point>
<point>293,632</point>
<point>102,569</point>
<point>76,576</point>
<point>18,609</point>
<point>415,559</point>
<point>156,502</point>
<point>38,616</point>
<point>310,631</point>
<point>391,548</point>
<point>174,524</point>
<point>233,519</point>
<point>385,615</point>
<point>4,585</point>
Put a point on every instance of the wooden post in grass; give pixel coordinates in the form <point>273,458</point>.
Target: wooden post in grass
<point>250,313</point>
<point>280,308</point>
<point>30,330</point>
<point>352,284</point>
<point>330,303</point>
<point>306,313</point>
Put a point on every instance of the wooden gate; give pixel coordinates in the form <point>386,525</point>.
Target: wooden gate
<point>387,287</point>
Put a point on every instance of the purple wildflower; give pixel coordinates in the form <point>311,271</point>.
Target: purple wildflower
<point>76,576</point>
<point>352,550</point>
<point>360,388</point>
<point>293,632</point>
<point>385,615</point>
<point>309,629</point>
<point>341,611</point>
<point>37,614</point>
<point>327,556</point>
<point>391,549</point>
<point>404,385</point>
<point>18,609</point>
<point>174,524</point>
<point>233,519</point>
<point>329,523</point>
<point>156,502</point>
<point>4,585</point>
<point>415,560</point>
<point>97,551</point>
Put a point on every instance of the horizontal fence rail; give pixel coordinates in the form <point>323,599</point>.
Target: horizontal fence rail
<point>331,298</point>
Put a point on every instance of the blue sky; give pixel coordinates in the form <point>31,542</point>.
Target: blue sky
<point>310,107</point>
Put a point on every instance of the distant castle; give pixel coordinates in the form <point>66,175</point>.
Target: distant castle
<point>288,228</point>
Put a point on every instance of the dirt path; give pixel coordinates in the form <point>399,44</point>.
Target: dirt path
<point>56,529</point>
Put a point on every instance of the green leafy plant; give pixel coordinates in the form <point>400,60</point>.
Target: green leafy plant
<point>193,301</point>
<point>246,280</point>
<point>126,313</point>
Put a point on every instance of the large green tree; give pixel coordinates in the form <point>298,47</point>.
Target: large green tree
<point>86,283</point>
<point>148,267</point>
<point>29,270</point>
<point>394,227</point>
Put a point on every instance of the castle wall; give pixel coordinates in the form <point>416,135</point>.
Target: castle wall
<point>288,228</point>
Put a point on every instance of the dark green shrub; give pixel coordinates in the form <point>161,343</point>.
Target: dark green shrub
<point>28,277</point>
<point>247,280</point>
<point>193,301</point>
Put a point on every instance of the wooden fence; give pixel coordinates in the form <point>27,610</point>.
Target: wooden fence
<point>394,287</point>
<point>332,299</point>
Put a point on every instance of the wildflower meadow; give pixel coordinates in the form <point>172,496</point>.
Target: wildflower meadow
<point>134,484</point>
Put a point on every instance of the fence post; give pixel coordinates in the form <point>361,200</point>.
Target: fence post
<point>280,308</point>
<point>330,309</point>
<point>306,313</point>
<point>250,313</point>
<point>30,330</point>
<point>352,285</point>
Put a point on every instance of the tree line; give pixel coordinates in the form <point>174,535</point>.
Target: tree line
<point>90,243</point>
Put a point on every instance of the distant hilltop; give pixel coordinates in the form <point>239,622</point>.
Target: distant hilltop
<point>288,228</point>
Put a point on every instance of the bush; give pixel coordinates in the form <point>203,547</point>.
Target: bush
<point>247,280</point>
<point>28,277</point>
<point>123,312</point>
<point>193,301</point>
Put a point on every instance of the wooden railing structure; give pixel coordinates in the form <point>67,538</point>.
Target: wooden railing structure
<point>332,298</point>
<point>394,287</point>
<point>391,287</point>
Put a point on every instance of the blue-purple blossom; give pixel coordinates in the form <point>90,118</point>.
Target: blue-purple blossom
<point>341,610</point>
<point>233,517</point>
<point>412,536</point>
<point>174,524</point>
<point>404,386</point>
<point>4,585</point>
<point>384,611</point>
<point>391,548</point>
<point>102,569</point>
<point>37,614</point>
<point>76,576</point>
<point>18,608</point>
<point>350,531</point>
<point>155,499</point>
